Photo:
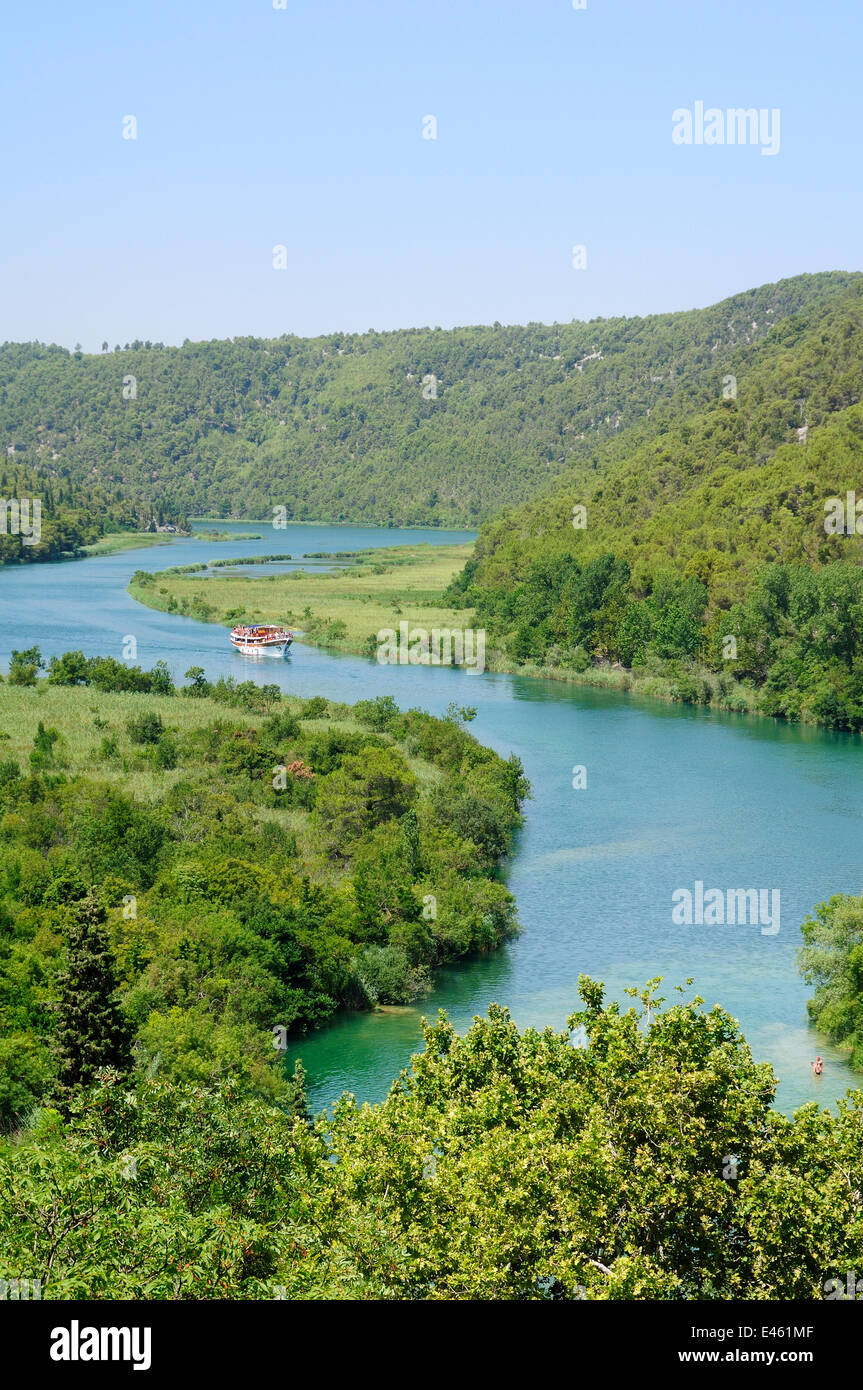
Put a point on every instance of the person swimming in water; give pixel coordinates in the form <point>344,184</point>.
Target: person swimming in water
<point>817,1067</point>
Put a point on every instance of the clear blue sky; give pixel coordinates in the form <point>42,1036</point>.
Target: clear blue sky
<point>303,127</point>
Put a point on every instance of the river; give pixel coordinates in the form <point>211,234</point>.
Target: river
<point>674,795</point>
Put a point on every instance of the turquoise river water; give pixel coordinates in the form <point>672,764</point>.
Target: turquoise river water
<point>673,795</point>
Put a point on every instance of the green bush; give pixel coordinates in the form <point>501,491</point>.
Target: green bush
<point>386,975</point>
<point>146,728</point>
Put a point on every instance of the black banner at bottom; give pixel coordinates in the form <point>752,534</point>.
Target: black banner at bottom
<point>84,1341</point>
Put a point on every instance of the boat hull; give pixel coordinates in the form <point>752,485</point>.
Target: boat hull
<point>260,648</point>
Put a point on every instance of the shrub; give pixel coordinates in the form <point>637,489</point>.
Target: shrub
<point>386,975</point>
<point>25,1074</point>
<point>378,713</point>
<point>281,726</point>
<point>109,749</point>
<point>43,746</point>
<point>9,771</point>
<point>165,752</point>
<point>147,728</point>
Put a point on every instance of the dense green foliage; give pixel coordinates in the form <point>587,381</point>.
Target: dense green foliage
<point>831,958</point>
<point>706,522</point>
<point>264,872</point>
<point>648,1164</point>
<point>350,426</point>
<point>64,529</point>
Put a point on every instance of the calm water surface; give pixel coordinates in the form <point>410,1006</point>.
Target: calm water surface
<point>673,795</point>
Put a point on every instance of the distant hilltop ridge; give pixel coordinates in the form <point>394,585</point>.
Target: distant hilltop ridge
<point>412,427</point>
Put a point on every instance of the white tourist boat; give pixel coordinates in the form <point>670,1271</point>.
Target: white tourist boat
<point>261,639</point>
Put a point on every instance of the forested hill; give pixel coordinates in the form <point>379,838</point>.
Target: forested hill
<point>720,479</point>
<point>422,426</point>
<point>707,523</point>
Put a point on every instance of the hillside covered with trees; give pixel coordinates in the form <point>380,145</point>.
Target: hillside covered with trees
<point>701,551</point>
<point>421,426</point>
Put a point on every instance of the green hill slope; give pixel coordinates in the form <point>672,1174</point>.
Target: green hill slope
<point>422,426</point>
<point>683,516</point>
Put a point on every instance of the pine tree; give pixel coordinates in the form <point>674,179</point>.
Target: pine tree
<point>91,1032</point>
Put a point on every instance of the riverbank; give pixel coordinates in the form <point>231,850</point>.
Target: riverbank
<point>695,685</point>
<point>267,521</point>
<point>345,609</point>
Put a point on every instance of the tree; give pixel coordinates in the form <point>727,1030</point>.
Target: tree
<point>91,1032</point>
<point>831,958</point>
<point>187,1193</point>
<point>200,686</point>
<point>72,668</point>
<point>269,695</point>
<point>370,787</point>
<point>634,1155</point>
<point>160,679</point>
<point>24,666</point>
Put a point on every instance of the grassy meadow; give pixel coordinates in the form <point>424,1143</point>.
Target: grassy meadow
<point>341,609</point>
